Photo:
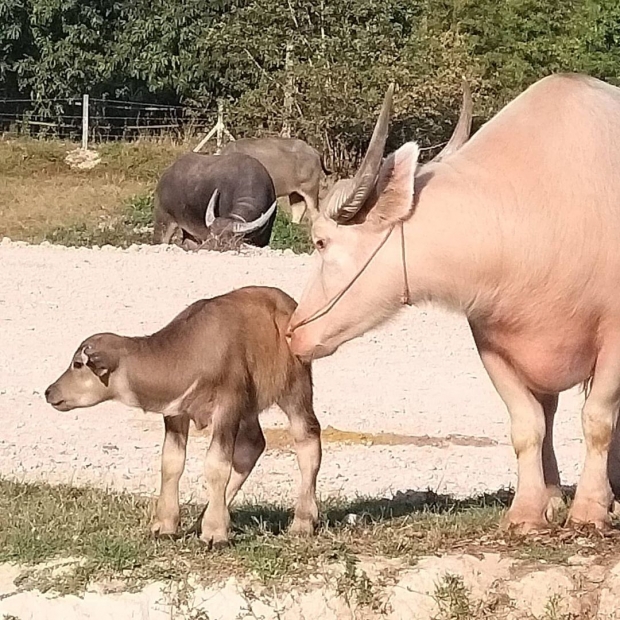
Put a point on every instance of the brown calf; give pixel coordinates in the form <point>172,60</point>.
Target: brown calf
<point>220,362</point>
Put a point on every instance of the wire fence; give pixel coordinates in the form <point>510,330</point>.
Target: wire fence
<point>100,120</point>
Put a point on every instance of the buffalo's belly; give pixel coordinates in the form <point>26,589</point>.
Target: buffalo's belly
<point>550,359</point>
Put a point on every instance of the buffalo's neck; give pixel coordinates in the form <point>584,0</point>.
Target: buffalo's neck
<point>453,256</point>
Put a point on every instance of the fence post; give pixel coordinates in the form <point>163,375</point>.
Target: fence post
<point>84,122</point>
<point>219,130</point>
<point>288,92</point>
<point>220,124</point>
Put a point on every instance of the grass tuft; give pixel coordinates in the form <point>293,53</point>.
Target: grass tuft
<point>109,533</point>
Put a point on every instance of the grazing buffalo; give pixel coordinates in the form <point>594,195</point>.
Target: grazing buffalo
<point>219,363</point>
<point>519,230</point>
<point>294,166</point>
<point>215,196</point>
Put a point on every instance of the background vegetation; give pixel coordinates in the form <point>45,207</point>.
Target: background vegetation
<point>316,67</point>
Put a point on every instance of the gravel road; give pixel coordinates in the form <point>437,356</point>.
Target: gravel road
<point>419,375</point>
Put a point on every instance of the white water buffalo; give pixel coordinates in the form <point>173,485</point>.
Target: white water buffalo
<point>294,166</point>
<point>520,231</point>
<point>219,363</point>
<point>215,195</point>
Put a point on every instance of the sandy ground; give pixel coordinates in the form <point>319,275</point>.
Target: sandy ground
<point>419,375</point>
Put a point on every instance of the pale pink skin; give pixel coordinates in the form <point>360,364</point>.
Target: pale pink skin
<point>520,231</point>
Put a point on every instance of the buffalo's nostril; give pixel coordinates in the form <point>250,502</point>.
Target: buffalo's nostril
<point>47,393</point>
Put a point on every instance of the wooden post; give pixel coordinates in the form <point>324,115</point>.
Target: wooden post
<point>220,125</point>
<point>85,122</point>
<point>219,130</point>
<point>288,92</point>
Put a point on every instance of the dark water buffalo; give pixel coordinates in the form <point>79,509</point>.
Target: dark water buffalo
<point>294,166</point>
<point>215,195</point>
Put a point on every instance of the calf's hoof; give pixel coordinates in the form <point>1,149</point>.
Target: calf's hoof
<point>164,527</point>
<point>303,527</point>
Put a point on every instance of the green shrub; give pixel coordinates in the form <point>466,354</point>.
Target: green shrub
<point>318,68</point>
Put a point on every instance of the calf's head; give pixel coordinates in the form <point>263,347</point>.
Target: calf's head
<point>89,379</point>
<point>360,222</point>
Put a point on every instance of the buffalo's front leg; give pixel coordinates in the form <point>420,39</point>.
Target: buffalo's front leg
<point>172,465</point>
<point>218,468</point>
<point>529,507</point>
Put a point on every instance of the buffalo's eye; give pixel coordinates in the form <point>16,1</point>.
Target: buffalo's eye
<point>77,364</point>
<point>319,244</point>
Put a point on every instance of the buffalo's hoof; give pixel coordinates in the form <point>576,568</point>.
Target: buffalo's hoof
<point>164,527</point>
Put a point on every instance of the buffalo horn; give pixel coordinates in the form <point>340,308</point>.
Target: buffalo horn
<point>210,212</point>
<point>462,129</point>
<point>366,177</point>
<point>244,228</point>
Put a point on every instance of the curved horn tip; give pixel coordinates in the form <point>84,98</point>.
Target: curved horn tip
<point>366,177</point>
<point>210,212</point>
<point>248,227</point>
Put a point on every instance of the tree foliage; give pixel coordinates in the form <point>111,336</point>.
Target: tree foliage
<point>318,67</point>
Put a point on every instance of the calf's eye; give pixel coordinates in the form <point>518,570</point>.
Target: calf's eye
<point>77,364</point>
<point>319,244</point>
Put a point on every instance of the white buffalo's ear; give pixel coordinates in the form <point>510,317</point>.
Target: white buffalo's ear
<point>395,186</point>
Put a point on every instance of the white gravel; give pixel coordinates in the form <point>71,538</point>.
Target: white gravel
<point>419,375</point>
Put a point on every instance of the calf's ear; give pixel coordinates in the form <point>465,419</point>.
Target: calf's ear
<point>101,361</point>
<point>395,185</point>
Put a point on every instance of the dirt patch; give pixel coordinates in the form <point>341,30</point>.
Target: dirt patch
<point>280,439</point>
<point>453,587</point>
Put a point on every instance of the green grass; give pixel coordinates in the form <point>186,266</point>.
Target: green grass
<point>132,224</point>
<point>110,533</point>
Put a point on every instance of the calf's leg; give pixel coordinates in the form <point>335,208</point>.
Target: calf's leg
<point>306,432</point>
<point>166,520</point>
<point>593,497</point>
<point>529,507</point>
<point>249,445</point>
<point>218,468</point>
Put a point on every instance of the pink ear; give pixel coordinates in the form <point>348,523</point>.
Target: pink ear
<point>396,184</point>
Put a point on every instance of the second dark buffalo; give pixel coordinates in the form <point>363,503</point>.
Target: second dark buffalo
<point>215,196</point>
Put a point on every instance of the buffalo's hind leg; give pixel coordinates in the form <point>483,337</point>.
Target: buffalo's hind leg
<point>556,504</point>
<point>167,512</point>
<point>298,206</point>
<point>306,432</point>
<point>594,497</point>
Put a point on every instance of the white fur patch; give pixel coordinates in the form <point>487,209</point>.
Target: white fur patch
<point>174,406</point>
